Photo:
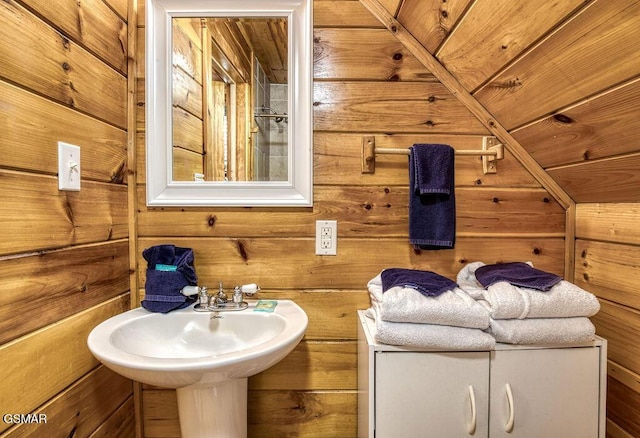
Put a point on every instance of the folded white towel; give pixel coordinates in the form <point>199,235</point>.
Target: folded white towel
<point>452,308</point>
<point>467,281</point>
<point>542,330</point>
<point>506,301</point>
<point>430,336</point>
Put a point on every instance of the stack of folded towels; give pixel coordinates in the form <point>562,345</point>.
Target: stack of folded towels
<point>425,310</point>
<point>529,306</point>
<point>511,303</point>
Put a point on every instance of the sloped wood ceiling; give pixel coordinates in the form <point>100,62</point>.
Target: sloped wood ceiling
<point>562,77</point>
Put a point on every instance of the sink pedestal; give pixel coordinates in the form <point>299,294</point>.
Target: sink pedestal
<point>217,411</point>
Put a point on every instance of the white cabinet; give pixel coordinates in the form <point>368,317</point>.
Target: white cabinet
<point>513,391</point>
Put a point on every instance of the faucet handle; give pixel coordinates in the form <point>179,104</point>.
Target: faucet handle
<point>249,289</point>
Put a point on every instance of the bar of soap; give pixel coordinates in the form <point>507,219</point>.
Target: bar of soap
<point>265,306</point>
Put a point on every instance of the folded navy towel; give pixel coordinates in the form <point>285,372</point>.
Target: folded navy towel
<point>169,269</point>
<point>518,274</point>
<point>432,204</point>
<point>427,283</point>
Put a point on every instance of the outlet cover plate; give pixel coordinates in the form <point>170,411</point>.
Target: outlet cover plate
<point>326,237</point>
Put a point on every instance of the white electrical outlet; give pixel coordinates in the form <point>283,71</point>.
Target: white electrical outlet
<point>326,237</point>
<point>68,167</point>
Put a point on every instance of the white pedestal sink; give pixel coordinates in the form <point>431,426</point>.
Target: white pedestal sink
<point>207,359</point>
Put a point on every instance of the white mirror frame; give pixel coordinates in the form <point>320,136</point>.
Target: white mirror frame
<point>297,191</point>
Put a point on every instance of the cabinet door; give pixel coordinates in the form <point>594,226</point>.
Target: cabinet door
<point>552,393</point>
<point>420,395</point>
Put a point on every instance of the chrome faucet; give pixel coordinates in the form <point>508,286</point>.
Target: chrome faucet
<point>219,298</point>
<point>219,302</point>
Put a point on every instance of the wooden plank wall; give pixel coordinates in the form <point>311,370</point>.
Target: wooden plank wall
<point>188,114</point>
<point>607,264</point>
<point>565,85</point>
<point>64,256</point>
<point>365,83</point>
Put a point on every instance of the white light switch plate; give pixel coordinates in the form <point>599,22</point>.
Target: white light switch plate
<point>68,167</point>
<point>326,237</point>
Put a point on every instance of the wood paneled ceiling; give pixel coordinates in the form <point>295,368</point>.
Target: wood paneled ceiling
<point>265,37</point>
<point>561,77</point>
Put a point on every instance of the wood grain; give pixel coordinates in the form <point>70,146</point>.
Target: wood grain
<point>612,222</point>
<point>91,23</point>
<point>100,400</point>
<point>312,365</point>
<point>59,283</point>
<point>290,263</point>
<point>342,13</point>
<point>609,270</point>
<point>367,211</point>
<point>347,54</point>
<point>603,126</point>
<point>383,107</point>
<point>32,125</point>
<point>47,218</point>
<point>493,33</point>
<point>612,180</point>
<point>58,68</point>
<point>620,326</point>
<point>587,54</point>
<point>44,363</point>
<point>321,414</point>
<point>623,406</point>
<point>431,21</point>
<point>485,117</point>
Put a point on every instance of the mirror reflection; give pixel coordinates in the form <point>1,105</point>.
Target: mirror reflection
<point>230,99</point>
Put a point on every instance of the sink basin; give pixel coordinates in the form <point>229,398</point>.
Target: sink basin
<point>207,357</point>
<point>185,348</point>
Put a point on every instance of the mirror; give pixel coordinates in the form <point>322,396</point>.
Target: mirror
<point>226,126</point>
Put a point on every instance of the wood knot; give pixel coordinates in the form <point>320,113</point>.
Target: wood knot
<point>583,254</point>
<point>562,118</point>
<point>212,220</point>
<point>394,78</point>
<point>397,56</point>
<point>394,29</point>
<point>445,14</point>
<point>430,123</point>
<point>478,182</point>
<point>431,99</point>
<point>511,83</point>
<point>536,251</point>
<point>585,276</point>
<point>66,66</point>
<point>462,261</point>
<point>546,200</point>
<point>496,200</point>
<point>368,206</point>
<point>387,190</point>
<point>242,250</point>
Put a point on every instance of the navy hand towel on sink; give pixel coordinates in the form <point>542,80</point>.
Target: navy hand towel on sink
<point>169,269</point>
